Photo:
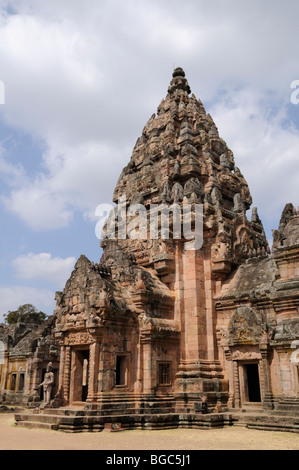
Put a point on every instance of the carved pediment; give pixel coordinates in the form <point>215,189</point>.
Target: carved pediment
<point>243,327</point>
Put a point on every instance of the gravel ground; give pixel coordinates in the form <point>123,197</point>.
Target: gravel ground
<point>230,438</point>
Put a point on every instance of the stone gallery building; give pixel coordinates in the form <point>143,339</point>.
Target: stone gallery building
<point>25,350</point>
<point>161,326</point>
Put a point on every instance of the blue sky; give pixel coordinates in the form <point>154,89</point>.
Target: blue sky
<point>80,84</point>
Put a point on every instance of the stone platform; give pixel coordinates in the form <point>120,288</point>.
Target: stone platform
<point>285,417</point>
<point>74,420</point>
<point>79,420</point>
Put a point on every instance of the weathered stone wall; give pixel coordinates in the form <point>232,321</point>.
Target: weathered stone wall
<point>28,349</point>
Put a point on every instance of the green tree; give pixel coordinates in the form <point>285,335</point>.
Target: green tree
<point>26,312</point>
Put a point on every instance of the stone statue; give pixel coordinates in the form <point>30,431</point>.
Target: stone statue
<point>47,385</point>
<point>177,193</point>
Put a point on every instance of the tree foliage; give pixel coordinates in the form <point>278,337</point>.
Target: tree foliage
<point>27,313</point>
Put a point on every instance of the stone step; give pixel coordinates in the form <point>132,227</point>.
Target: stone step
<point>266,421</point>
<point>252,407</point>
<point>291,413</point>
<point>37,425</point>
<point>240,419</point>
<point>60,422</point>
<point>67,412</point>
<point>41,418</point>
<point>274,426</point>
<point>289,399</point>
<point>287,408</point>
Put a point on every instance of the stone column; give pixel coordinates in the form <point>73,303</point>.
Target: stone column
<point>230,366</point>
<point>295,379</point>
<point>105,377</point>
<point>236,384</point>
<point>285,371</point>
<point>210,310</point>
<point>147,364</point>
<point>267,399</point>
<point>93,371</point>
<point>195,319</point>
<point>139,363</point>
<point>5,370</point>
<point>61,368</point>
<point>294,360</point>
<point>36,375</point>
<point>66,375</point>
<point>296,370</point>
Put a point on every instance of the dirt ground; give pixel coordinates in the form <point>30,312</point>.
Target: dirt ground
<point>230,438</point>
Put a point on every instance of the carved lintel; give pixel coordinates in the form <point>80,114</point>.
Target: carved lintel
<point>76,338</point>
<point>239,355</point>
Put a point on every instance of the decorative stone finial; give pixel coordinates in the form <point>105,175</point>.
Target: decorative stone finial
<point>178,72</point>
<point>179,82</point>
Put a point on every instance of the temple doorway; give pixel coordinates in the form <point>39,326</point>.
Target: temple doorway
<point>252,388</point>
<point>79,375</point>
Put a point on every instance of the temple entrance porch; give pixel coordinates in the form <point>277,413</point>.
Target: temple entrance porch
<point>249,382</point>
<point>79,375</point>
<point>79,365</point>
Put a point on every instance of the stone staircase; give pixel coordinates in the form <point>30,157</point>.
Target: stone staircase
<point>284,417</point>
<point>66,419</point>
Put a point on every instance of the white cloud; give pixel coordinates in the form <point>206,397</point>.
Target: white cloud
<point>43,266</point>
<point>74,179</point>
<point>14,175</point>
<point>11,297</point>
<point>38,208</point>
<point>265,147</point>
<point>85,81</point>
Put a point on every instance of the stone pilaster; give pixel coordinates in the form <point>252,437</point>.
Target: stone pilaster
<point>267,399</point>
<point>236,384</point>
<point>147,365</point>
<point>230,366</point>
<point>93,371</point>
<point>67,371</point>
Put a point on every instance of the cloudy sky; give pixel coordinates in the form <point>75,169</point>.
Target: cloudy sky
<point>78,81</point>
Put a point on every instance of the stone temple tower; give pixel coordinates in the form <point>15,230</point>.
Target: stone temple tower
<point>187,313</point>
<point>143,321</point>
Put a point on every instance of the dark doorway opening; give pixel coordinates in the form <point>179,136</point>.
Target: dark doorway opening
<point>21,381</point>
<point>253,383</point>
<point>121,370</point>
